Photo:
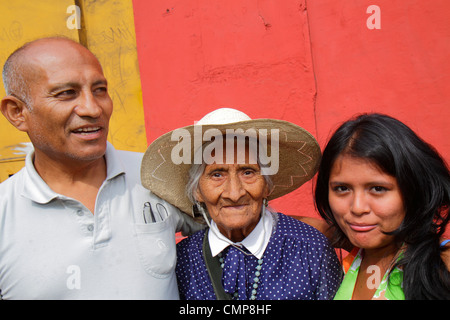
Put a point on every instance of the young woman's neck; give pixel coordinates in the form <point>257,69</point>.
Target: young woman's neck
<point>383,257</point>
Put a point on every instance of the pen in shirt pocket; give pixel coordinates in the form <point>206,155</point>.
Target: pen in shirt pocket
<point>153,216</point>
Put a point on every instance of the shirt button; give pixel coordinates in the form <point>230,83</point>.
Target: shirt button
<point>90,227</point>
<point>80,212</point>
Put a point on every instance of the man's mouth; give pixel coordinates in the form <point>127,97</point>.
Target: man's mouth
<point>87,130</point>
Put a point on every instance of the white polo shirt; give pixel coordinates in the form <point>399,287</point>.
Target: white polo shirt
<point>53,247</point>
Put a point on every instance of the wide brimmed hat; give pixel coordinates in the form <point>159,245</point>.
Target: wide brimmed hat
<point>299,154</point>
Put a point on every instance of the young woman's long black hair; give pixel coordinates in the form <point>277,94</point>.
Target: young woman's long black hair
<point>424,181</point>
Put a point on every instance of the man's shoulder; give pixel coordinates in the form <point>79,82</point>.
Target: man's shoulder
<point>10,191</point>
<point>8,184</point>
<point>128,162</point>
<point>132,156</point>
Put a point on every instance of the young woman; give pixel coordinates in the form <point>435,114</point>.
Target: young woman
<point>386,193</point>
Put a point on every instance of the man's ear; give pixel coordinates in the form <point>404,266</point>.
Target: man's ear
<point>15,111</point>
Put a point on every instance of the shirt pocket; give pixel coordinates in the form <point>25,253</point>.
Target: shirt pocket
<point>156,247</point>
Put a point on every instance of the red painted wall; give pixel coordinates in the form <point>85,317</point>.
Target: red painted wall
<point>402,69</point>
<point>314,63</point>
<point>196,56</point>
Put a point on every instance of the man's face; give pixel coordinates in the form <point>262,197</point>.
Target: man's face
<point>71,107</point>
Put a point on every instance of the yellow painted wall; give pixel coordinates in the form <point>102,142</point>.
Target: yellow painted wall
<point>107,29</point>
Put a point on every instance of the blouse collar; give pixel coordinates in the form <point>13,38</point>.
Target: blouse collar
<point>256,242</point>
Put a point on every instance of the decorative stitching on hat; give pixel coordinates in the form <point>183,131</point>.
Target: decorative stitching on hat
<point>309,159</point>
<point>158,166</point>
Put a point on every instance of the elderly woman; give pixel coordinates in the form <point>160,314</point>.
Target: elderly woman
<point>247,251</point>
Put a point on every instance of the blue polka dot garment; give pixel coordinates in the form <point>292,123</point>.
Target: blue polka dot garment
<point>298,263</point>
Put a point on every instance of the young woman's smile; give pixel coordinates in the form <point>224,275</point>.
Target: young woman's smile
<point>365,201</point>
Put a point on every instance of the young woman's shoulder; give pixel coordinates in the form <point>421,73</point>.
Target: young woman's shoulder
<point>445,244</point>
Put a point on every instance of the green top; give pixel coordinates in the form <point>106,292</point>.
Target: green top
<point>387,290</point>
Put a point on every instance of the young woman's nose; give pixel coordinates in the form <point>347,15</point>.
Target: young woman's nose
<point>359,204</point>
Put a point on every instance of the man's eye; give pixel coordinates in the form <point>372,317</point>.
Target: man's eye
<point>100,90</point>
<point>66,93</point>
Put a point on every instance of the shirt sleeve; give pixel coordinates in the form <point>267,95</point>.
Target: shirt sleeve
<point>186,224</point>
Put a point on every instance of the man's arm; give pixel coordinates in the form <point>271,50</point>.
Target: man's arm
<point>160,209</point>
<point>186,224</point>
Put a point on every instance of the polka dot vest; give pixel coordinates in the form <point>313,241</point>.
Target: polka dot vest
<point>298,263</point>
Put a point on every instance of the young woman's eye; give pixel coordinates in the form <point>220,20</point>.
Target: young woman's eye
<point>340,189</point>
<point>379,189</point>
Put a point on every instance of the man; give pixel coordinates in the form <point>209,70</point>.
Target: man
<point>73,222</point>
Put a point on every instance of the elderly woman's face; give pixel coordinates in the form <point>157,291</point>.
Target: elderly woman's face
<point>233,195</point>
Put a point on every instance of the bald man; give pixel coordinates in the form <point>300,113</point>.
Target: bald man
<point>71,221</point>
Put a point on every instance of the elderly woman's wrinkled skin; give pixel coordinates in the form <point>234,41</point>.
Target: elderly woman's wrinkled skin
<point>233,195</point>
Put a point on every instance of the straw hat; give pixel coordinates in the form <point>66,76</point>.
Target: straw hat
<point>299,155</point>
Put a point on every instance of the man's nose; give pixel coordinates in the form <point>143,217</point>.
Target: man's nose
<point>88,106</point>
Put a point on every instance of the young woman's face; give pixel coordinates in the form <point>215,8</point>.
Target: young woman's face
<point>365,202</point>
